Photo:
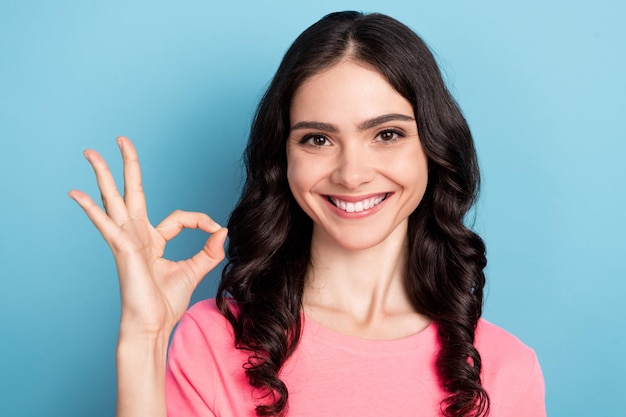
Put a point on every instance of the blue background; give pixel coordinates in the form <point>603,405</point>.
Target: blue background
<point>541,83</point>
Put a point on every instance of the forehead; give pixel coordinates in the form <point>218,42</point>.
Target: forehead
<point>347,91</point>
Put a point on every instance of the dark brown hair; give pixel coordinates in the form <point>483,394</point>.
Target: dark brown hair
<point>270,236</point>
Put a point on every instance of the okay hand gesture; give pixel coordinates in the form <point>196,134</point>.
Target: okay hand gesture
<point>155,291</point>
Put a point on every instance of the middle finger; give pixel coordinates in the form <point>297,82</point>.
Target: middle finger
<point>133,187</point>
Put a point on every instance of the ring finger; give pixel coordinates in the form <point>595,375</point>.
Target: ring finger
<point>111,198</point>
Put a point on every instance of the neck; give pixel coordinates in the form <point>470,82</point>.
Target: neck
<point>360,291</point>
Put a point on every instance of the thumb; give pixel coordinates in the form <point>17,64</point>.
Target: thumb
<point>211,254</point>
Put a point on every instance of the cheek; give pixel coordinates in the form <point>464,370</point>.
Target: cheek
<point>292,174</point>
<point>412,170</point>
<point>410,161</point>
<point>291,165</point>
<point>303,175</point>
<point>302,171</point>
<point>420,177</point>
<point>297,178</point>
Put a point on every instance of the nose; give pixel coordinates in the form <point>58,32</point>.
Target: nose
<point>354,167</point>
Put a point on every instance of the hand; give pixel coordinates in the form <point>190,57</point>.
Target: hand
<point>155,291</point>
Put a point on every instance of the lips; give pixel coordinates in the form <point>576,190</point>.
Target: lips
<point>359,205</point>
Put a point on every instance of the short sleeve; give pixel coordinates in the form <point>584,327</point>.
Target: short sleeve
<point>188,387</point>
<point>532,402</point>
<point>511,373</point>
<point>205,376</point>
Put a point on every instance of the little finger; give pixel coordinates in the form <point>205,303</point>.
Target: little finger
<point>107,227</point>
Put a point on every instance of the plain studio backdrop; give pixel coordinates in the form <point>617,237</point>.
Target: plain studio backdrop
<point>542,85</point>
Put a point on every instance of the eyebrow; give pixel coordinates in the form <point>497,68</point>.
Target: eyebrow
<point>368,124</point>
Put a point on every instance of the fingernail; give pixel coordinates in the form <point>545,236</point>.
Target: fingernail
<point>86,155</point>
<point>119,143</point>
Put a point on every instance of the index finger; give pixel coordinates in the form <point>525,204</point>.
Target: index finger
<point>134,196</point>
<point>173,224</point>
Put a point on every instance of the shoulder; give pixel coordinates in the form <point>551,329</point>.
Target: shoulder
<point>501,352</point>
<point>205,311</point>
<point>497,343</point>
<point>204,369</point>
<point>511,372</point>
<point>203,322</point>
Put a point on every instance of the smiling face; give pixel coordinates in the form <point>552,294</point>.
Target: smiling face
<point>355,163</point>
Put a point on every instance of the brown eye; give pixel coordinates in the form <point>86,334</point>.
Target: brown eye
<point>389,135</point>
<point>315,140</point>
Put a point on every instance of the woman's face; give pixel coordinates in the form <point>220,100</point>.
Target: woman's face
<point>355,163</point>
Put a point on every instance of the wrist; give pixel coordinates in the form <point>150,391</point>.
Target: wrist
<point>131,338</point>
<point>133,327</point>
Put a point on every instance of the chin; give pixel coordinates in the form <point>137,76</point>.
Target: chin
<point>357,242</point>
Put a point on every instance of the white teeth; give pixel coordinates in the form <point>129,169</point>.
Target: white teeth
<point>359,205</point>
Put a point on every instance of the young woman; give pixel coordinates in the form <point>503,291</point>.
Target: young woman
<point>352,285</point>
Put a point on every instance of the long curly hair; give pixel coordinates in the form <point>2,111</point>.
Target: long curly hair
<point>270,236</point>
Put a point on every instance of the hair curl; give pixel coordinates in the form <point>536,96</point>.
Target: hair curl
<point>270,236</point>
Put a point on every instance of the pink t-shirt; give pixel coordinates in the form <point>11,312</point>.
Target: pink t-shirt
<point>332,374</point>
